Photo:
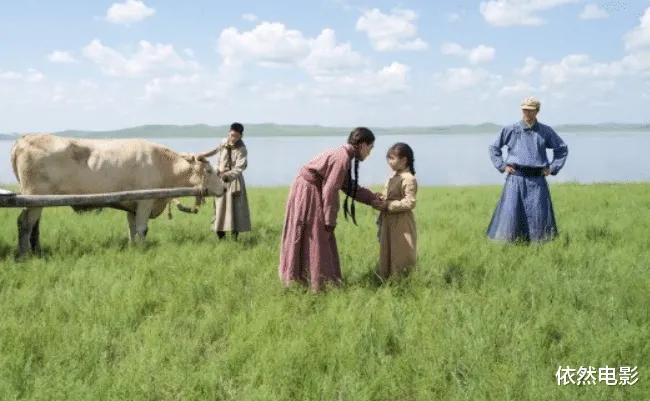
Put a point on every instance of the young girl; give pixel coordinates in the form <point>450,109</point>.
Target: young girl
<point>397,233</point>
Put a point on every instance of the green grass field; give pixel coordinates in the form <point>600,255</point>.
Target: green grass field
<point>187,318</point>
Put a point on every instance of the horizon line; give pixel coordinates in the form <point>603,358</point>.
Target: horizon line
<point>603,124</point>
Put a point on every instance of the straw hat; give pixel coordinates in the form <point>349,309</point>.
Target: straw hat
<point>530,103</point>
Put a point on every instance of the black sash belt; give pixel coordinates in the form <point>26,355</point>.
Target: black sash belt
<point>528,171</point>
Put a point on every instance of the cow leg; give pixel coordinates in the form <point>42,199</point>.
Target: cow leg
<point>130,218</point>
<point>35,238</point>
<point>143,211</point>
<point>26,220</point>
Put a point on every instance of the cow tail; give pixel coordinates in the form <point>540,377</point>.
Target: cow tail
<point>169,210</point>
<point>14,157</point>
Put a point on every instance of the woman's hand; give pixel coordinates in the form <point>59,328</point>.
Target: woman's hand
<point>509,170</point>
<point>224,177</point>
<point>380,205</point>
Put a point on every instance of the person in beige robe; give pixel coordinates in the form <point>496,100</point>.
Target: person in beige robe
<point>396,224</point>
<point>231,211</point>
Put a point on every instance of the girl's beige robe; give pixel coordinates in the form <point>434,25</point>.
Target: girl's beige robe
<point>232,212</point>
<point>397,230</point>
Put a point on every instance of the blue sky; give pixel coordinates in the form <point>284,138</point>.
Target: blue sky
<point>103,65</point>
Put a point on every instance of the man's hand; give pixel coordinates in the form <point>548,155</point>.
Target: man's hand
<point>546,171</point>
<point>509,170</point>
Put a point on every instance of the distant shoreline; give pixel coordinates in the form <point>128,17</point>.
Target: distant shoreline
<point>277,130</point>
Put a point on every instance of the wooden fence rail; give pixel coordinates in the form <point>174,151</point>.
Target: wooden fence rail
<point>13,199</point>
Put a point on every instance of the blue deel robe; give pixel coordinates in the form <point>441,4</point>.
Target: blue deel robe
<point>525,210</point>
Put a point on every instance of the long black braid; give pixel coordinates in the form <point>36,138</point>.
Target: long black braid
<point>358,136</point>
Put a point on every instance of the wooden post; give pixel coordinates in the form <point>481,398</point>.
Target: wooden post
<point>18,200</point>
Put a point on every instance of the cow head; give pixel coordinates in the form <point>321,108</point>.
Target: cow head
<point>213,183</point>
<point>210,181</point>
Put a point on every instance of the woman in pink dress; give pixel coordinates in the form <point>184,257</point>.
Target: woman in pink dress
<point>309,251</point>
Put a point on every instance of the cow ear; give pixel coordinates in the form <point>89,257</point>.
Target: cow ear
<point>201,158</point>
<point>189,158</point>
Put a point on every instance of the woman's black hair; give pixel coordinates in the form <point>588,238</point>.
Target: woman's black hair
<point>358,136</point>
<point>401,149</point>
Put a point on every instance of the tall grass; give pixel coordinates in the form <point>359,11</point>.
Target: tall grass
<point>186,317</point>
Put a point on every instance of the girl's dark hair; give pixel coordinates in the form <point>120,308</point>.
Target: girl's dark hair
<point>358,136</point>
<point>401,149</point>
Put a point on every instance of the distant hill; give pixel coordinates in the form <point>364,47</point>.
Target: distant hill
<point>268,130</point>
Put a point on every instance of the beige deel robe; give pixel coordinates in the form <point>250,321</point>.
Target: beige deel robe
<point>397,232</point>
<point>231,211</point>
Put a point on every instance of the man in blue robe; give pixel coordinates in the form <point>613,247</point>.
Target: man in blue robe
<point>525,210</point>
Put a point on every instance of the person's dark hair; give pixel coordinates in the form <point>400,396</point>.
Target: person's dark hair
<point>358,136</point>
<point>401,149</point>
<point>237,127</point>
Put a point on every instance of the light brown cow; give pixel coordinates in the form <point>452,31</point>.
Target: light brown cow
<point>46,164</point>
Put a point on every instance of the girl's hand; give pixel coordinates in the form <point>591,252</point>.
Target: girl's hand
<point>380,205</point>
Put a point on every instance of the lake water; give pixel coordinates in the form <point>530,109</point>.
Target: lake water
<point>439,159</point>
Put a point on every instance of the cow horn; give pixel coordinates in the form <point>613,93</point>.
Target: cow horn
<point>210,153</point>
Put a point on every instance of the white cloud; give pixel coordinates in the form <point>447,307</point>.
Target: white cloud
<point>518,88</point>
<point>32,76</point>
<point>577,66</point>
<point>155,87</point>
<point>518,12</point>
<point>639,38</point>
<point>454,79</point>
<point>476,55</point>
<point>149,58</point>
<point>391,32</point>
<point>10,75</point>
<point>320,79</point>
<point>337,71</point>
<point>273,45</point>
<point>530,66</point>
<point>58,56</point>
<point>366,84</point>
<point>580,68</point>
<point>326,56</point>
<point>592,11</point>
<point>379,87</point>
<point>249,17</point>
<point>128,12</point>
